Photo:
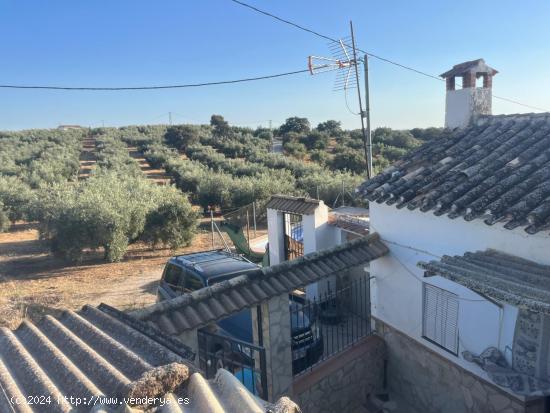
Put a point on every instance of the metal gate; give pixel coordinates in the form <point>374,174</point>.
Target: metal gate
<point>293,236</point>
<point>244,360</point>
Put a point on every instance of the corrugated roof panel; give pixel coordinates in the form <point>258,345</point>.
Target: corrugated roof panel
<point>240,293</point>
<point>87,356</point>
<point>502,277</point>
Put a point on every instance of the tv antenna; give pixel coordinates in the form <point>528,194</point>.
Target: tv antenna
<point>346,63</point>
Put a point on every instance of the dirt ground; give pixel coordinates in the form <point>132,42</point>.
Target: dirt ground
<point>34,283</point>
<point>87,158</point>
<point>158,176</point>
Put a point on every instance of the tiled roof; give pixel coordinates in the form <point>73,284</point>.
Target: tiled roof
<point>292,204</point>
<point>474,66</point>
<point>94,353</point>
<point>350,224</point>
<point>209,304</point>
<point>351,211</point>
<point>498,170</point>
<point>499,276</point>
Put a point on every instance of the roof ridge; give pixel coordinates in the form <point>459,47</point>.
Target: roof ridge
<point>220,300</point>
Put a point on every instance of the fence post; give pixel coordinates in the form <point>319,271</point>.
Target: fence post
<point>254,216</point>
<point>212,225</point>
<point>248,230</point>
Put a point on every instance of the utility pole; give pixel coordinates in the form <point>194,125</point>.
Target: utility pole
<point>361,112</point>
<point>170,118</point>
<point>367,110</point>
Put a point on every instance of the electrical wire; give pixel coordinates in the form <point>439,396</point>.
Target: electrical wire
<point>383,59</point>
<point>188,85</point>
<point>347,104</point>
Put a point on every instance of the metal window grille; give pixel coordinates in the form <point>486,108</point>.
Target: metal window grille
<point>440,317</point>
<point>244,360</point>
<point>329,324</point>
<point>293,236</point>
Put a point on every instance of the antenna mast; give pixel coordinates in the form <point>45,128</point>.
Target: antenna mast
<point>366,138</point>
<point>344,64</point>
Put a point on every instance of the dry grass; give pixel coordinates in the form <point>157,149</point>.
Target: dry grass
<point>34,283</point>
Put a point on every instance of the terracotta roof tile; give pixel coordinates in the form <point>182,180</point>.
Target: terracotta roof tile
<point>503,277</point>
<point>296,205</point>
<point>498,170</point>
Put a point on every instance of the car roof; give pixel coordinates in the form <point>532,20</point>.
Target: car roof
<point>215,263</point>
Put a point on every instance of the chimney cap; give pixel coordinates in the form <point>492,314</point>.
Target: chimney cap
<point>473,66</point>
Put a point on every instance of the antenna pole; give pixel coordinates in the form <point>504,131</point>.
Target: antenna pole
<point>367,109</point>
<point>362,114</point>
<point>170,118</point>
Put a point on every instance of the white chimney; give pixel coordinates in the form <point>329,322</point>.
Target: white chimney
<point>462,105</point>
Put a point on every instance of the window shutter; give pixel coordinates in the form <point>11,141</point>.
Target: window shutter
<point>440,317</point>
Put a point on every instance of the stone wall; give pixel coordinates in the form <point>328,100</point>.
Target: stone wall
<point>431,383</point>
<point>277,343</point>
<point>342,383</point>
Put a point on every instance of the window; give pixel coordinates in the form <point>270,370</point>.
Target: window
<point>192,283</point>
<point>173,276</point>
<point>440,318</point>
<point>293,236</point>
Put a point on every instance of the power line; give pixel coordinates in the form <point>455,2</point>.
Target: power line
<point>188,85</point>
<point>332,39</point>
<point>521,104</point>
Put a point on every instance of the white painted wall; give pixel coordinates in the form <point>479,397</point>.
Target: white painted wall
<point>462,104</point>
<point>275,236</point>
<point>318,235</point>
<point>414,236</point>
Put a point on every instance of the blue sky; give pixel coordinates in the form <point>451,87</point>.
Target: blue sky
<point>137,42</point>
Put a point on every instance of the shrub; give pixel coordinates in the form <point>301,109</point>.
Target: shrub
<point>172,223</point>
<point>296,149</point>
<point>329,186</point>
<point>220,127</point>
<point>110,211</point>
<point>4,219</point>
<point>319,156</point>
<point>17,198</point>
<point>315,140</point>
<point>400,139</point>
<point>295,124</point>
<point>349,159</point>
<point>182,136</point>
<point>331,127</point>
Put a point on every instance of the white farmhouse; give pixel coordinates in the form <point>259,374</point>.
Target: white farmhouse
<point>463,298</point>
